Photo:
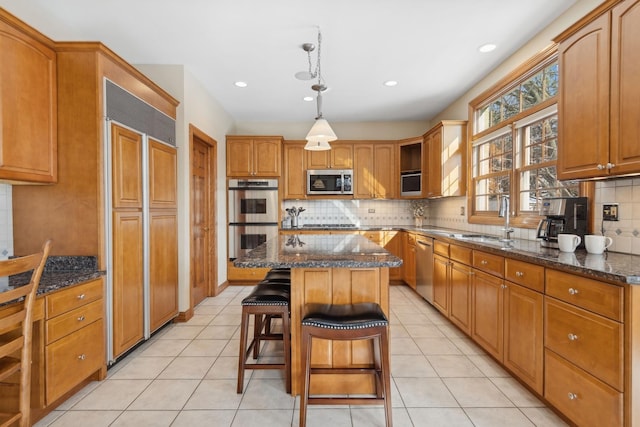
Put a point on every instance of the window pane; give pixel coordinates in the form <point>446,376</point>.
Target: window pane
<point>495,108</point>
<point>532,91</point>
<point>511,103</point>
<point>551,81</point>
<point>483,118</point>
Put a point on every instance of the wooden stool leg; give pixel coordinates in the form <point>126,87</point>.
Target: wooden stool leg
<point>286,339</point>
<point>386,374</point>
<point>305,352</point>
<point>244,329</point>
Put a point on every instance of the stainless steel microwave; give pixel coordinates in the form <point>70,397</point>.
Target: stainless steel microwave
<point>329,181</point>
<point>411,184</point>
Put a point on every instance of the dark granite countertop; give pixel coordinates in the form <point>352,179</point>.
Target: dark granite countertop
<point>59,272</point>
<point>317,251</point>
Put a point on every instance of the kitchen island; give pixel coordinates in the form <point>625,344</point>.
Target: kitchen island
<point>329,269</point>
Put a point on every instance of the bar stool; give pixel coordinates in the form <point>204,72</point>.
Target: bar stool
<point>346,322</point>
<point>267,300</point>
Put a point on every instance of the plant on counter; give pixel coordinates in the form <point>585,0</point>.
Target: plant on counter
<point>417,208</point>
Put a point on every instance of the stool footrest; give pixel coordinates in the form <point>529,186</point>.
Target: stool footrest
<point>345,401</point>
<point>343,371</point>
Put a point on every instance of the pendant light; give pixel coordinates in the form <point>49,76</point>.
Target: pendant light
<point>321,133</point>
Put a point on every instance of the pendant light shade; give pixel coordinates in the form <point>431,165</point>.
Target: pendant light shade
<point>321,131</point>
<point>317,146</point>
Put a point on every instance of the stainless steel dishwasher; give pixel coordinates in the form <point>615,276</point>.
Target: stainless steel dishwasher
<point>424,267</point>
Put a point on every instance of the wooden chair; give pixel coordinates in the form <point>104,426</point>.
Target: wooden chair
<point>15,334</point>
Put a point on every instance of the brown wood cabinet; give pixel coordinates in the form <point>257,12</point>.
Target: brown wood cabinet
<point>409,258</point>
<point>391,240</point>
<point>375,171</point>
<point>339,157</point>
<point>599,89</point>
<point>294,170</point>
<point>254,156</point>
<point>28,106</point>
<point>445,148</point>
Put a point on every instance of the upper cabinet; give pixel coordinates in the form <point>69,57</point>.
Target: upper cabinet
<point>339,157</point>
<point>412,164</point>
<point>375,171</point>
<point>445,148</point>
<point>598,109</point>
<point>295,170</point>
<point>28,116</point>
<point>253,156</point>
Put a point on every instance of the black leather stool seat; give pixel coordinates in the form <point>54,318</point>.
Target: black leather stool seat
<point>279,276</point>
<point>344,316</point>
<point>268,294</point>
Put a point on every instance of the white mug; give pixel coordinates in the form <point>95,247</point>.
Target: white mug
<point>568,242</point>
<point>597,244</point>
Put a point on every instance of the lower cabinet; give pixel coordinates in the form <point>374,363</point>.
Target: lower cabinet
<point>460,300</point>
<point>409,253</point>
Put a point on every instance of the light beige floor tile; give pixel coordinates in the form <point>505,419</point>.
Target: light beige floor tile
<point>477,392</point>
<point>187,368</point>
<point>430,346</point>
<point>488,366</point>
<point>227,319</point>
<point>424,331</point>
<point>50,418</point>
<point>448,366</point>
<point>318,416</point>
<point>399,331</point>
<point>200,319</point>
<point>262,418</point>
<point>113,395</point>
<point>69,403</point>
<point>413,319</point>
<point>165,348</point>
<point>543,417</point>
<point>182,332</point>
<point>425,393</point>
<point>266,394</point>
<point>498,417</point>
<point>204,310</point>
<point>411,366</point>
<point>165,395</point>
<point>217,332</point>
<point>404,346</point>
<point>439,417</point>
<point>451,331</point>
<point>142,368</point>
<point>199,347</point>
<point>467,346</point>
<point>217,418</point>
<point>215,394</point>
<point>231,349</point>
<point>373,416</point>
<point>225,368</point>
<point>520,396</point>
<point>145,418</point>
<point>86,418</point>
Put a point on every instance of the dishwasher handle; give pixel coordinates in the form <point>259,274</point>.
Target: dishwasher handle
<point>423,243</point>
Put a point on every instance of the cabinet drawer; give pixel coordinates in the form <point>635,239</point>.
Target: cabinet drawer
<point>593,343</point>
<point>374,236</point>
<point>74,297</point>
<point>493,264</point>
<point>581,397</point>
<point>461,254</point>
<point>441,248</point>
<point>411,239</point>
<point>592,295</point>
<point>73,358</point>
<point>67,323</point>
<point>525,274</point>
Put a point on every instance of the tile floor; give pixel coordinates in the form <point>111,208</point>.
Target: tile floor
<point>186,374</point>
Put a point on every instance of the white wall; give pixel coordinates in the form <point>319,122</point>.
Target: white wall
<point>6,222</point>
<point>204,112</point>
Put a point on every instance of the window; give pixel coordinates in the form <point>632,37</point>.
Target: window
<point>514,144</point>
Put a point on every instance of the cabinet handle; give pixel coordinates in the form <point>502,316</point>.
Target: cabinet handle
<point>503,286</point>
<point>81,296</point>
<point>600,167</point>
<point>82,356</point>
<point>572,396</point>
<point>484,262</point>
<point>573,291</point>
<point>519,274</point>
<point>611,165</point>
<point>81,318</point>
<point>572,337</point>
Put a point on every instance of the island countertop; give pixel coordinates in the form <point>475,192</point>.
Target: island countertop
<point>318,251</point>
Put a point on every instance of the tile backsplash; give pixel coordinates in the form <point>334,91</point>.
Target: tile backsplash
<point>358,212</point>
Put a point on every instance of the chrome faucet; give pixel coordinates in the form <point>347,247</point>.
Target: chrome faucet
<point>504,212</point>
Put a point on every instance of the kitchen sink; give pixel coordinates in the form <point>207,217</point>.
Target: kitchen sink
<point>476,237</point>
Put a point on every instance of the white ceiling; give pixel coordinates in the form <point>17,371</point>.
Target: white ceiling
<point>429,46</point>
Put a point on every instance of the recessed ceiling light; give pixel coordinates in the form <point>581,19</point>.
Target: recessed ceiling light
<point>308,98</point>
<point>390,83</point>
<point>241,84</point>
<point>487,47</point>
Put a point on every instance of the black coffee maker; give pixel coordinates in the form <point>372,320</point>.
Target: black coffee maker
<point>563,215</point>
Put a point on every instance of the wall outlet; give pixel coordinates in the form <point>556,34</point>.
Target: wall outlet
<point>610,212</point>
<point>461,210</point>
<point>372,210</point>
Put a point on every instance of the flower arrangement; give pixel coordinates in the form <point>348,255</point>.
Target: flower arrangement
<point>417,208</point>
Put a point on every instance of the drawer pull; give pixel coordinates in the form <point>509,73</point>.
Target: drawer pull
<point>82,356</point>
<point>572,337</point>
<point>519,274</point>
<point>573,291</point>
<point>503,286</point>
<point>484,262</point>
<point>81,296</point>
<point>81,318</point>
<point>572,396</point>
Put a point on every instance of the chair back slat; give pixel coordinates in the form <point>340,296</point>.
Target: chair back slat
<point>10,347</point>
<point>12,321</point>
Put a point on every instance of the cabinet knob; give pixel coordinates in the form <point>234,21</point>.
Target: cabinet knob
<point>81,296</point>
<point>471,273</point>
<point>484,262</point>
<point>573,291</point>
<point>519,274</point>
<point>611,165</point>
<point>81,318</point>
<point>601,167</point>
<point>503,286</point>
<point>572,337</point>
<point>82,356</point>
<point>572,396</point>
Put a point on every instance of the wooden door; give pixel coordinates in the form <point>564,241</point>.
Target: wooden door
<point>163,267</point>
<point>295,170</point>
<point>318,159</point>
<point>460,305</point>
<point>341,156</point>
<point>267,156</point>
<point>163,176</point>
<point>409,265</point>
<point>363,171</point>
<point>394,245</point>
<point>239,157</point>
<point>434,170</point>
<point>583,107</point>
<point>127,280</point>
<point>203,155</point>
<point>523,334</point>
<point>441,283</point>
<point>625,88</point>
<point>384,175</point>
<point>126,147</point>
<point>487,312</point>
